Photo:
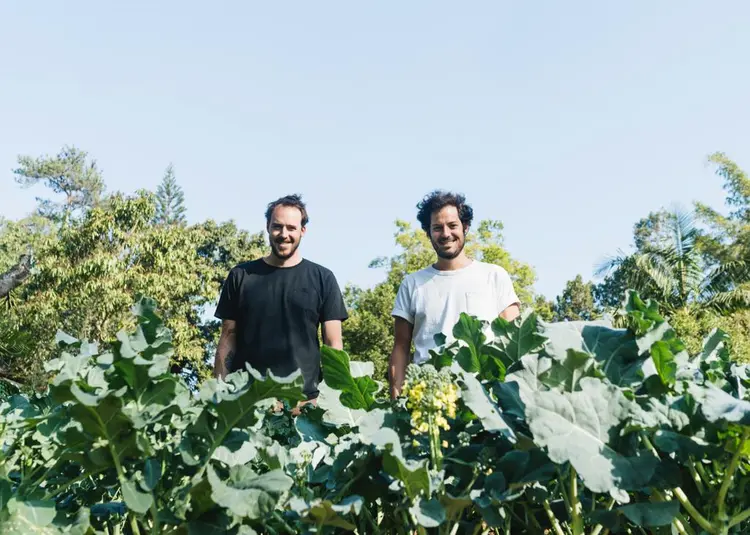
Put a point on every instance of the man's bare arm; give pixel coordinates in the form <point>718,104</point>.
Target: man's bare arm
<point>402,333</point>
<point>332,337</point>
<point>227,347</point>
<point>511,313</point>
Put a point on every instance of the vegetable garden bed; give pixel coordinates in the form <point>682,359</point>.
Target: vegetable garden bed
<point>563,428</point>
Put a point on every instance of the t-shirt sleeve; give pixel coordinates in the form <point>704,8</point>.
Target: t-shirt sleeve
<point>227,307</point>
<point>333,304</point>
<point>402,308</point>
<point>506,293</point>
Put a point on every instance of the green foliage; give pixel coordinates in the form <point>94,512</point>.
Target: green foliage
<point>68,173</point>
<point>581,434</point>
<point>170,201</point>
<point>89,272</point>
<point>576,302</point>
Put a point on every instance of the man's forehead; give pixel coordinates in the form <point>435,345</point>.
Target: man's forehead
<point>446,214</point>
<point>286,215</point>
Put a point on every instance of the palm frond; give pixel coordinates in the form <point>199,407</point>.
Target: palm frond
<point>684,232</point>
<point>726,276</point>
<point>610,264</point>
<point>652,271</point>
<point>729,301</point>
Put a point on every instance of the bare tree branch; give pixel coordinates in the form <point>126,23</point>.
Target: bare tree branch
<point>15,275</point>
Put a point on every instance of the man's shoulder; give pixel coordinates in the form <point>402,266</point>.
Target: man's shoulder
<point>318,268</point>
<point>417,278</point>
<point>486,267</point>
<point>249,266</point>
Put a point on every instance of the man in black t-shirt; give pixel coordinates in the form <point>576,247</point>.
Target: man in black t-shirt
<point>271,308</point>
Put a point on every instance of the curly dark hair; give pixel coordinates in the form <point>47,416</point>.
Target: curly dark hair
<point>436,201</point>
<point>294,201</point>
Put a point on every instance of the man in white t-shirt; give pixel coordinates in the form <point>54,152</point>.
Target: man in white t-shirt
<point>431,300</point>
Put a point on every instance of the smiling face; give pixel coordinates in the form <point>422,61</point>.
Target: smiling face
<point>285,231</point>
<point>447,233</point>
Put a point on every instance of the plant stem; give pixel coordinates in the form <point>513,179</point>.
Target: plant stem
<point>739,518</point>
<point>134,524</point>
<point>563,490</point>
<point>598,528</point>
<point>156,527</point>
<point>692,511</point>
<point>552,518</point>
<point>704,475</point>
<point>370,519</point>
<point>680,526</point>
<point>436,454</point>
<point>681,496</point>
<point>727,482</point>
<point>575,504</point>
<point>696,478</point>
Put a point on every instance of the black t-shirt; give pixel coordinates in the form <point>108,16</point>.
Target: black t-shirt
<point>278,311</point>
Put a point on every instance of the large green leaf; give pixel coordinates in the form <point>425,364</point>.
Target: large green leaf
<point>664,362</point>
<point>325,513</point>
<point>642,315</point>
<point>138,501</point>
<point>232,405</point>
<point>428,513</point>
<point>566,375</point>
<point>249,495</point>
<point>469,329</point>
<point>685,448</point>
<point>356,392</point>
<point>25,518</point>
<point>717,405</point>
<point>475,397</point>
<point>520,337</point>
<point>651,514</point>
<point>615,350</point>
<point>413,474</point>
<point>526,466</point>
<point>577,427</point>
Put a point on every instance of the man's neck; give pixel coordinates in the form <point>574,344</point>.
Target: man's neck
<point>452,264</point>
<point>275,261</point>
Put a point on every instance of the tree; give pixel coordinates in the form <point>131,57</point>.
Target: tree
<point>69,173</point>
<point>170,199</point>
<point>576,302</point>
<point>89,277</point>
<point>368,333</point>
<point>675,273</point>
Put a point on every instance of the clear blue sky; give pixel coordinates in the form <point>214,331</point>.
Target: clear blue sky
<point>567,120</point>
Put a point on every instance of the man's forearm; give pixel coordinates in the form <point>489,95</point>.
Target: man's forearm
<point>332,336</point>
<point>397,370</point>
<point>224,354</point>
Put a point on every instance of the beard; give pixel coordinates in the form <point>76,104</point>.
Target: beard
<point>283,255</point>
<point>448,255</point>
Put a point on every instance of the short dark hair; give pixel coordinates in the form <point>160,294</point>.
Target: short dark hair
<point>436,201</point>
<point>295,201</point>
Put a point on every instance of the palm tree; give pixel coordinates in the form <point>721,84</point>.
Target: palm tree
<point>675,272</point>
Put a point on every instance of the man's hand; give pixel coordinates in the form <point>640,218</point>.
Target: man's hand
<point>296,411</point>
<point>226,348</point>
<point>402,333</point>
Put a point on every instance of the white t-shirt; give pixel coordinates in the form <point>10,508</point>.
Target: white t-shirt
<point>433,300</point>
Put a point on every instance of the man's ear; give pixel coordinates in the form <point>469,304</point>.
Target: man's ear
<point>302,231</point>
